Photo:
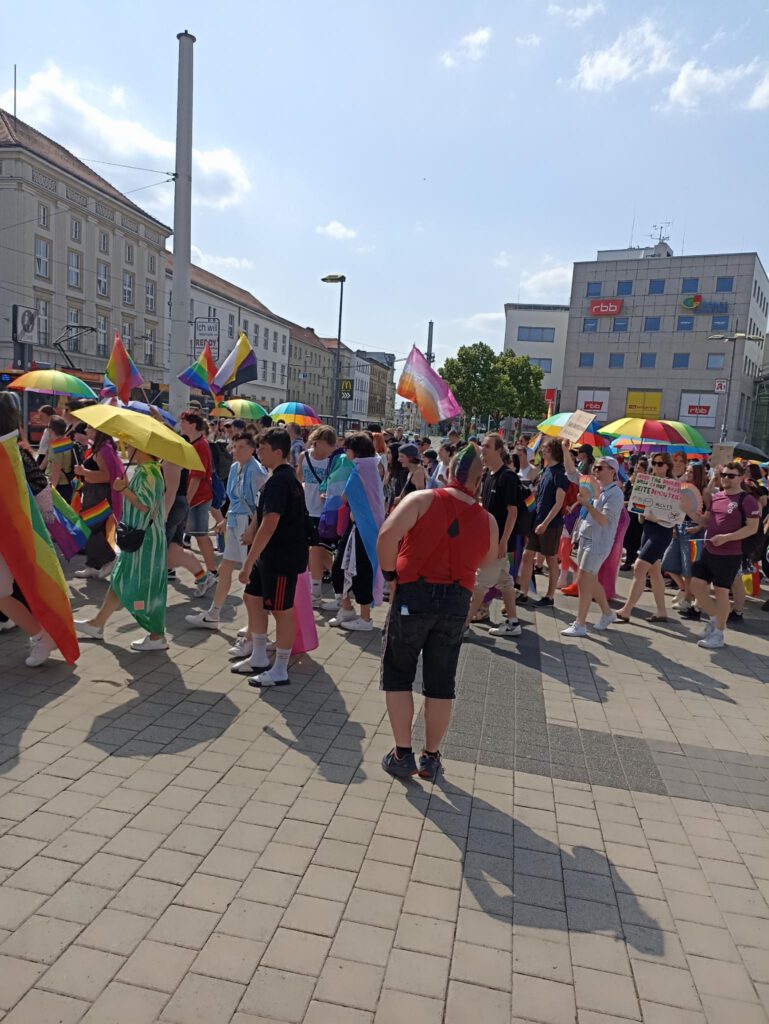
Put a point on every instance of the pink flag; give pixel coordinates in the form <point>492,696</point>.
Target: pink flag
<point>430,393</point>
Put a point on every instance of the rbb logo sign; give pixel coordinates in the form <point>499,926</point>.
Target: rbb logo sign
<point>699,410</point>
<point>592,406</point>
<point>606,307</point>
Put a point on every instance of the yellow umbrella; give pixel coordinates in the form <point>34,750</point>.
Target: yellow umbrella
<point>142,432</point>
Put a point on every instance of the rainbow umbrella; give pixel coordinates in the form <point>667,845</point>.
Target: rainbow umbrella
<point>553,424</point>
<point>295,412</point>
<point>222,411</point>
<point>53,382</point>
<point>664,432</point>
<point>245,409</point>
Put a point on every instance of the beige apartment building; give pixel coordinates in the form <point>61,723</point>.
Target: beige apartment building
<point>310,371</point>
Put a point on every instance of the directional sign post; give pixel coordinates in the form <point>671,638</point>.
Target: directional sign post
<point>206,329</point>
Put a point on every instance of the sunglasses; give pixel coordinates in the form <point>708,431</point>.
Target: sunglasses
<point>658,463</point>
<point>599,468</point>
<point>730,476</point>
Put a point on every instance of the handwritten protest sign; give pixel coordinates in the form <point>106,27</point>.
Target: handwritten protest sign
<point>722,453</point>
<point>576,425</point>
<point>657,496</point>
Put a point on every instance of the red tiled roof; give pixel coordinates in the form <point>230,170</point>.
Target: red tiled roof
<point>15,133</point>
<point>205,279</point>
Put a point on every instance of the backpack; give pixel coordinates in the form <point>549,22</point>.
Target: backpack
<point>751,546</point>
<point>218,491</point>
<point>526,503</point>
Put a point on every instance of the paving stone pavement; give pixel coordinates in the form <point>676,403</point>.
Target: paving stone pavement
<point>176,847</point>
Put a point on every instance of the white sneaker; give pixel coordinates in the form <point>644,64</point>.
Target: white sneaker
<point>709,627</point>
<point>329,604</point>
<point>343,615</point>
<point>605,621</point>
<point>202,621</point>
<point>243,631</point>
<point>268,678</point>
<point>574,630</point>
<point>106,571</point>
<point>148,644</point>
<point>357,624</point>
<point>241,648</point>
<point>713,640</point>
<point>204,585</point>
<point>317,600</point>
<point>507,628</point>
<point>40,649</point>
<point>87,573</point>
<point>88,630</point>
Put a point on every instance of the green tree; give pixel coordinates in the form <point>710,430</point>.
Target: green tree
<point>519,387</point>
<point>471,375</point>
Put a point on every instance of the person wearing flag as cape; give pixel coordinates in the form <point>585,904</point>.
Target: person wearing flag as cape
<point>102,467</point>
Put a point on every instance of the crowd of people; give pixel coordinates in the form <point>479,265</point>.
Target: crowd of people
<point>438,529</point>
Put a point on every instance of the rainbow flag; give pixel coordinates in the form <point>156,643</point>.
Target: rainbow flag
<point>363,491</point>
<point>530,499</point>
<point>68,530</point>
<point>26,546</point>
<point>237,368</point>
<point>695,549</point>
<point>61,446</point>
<point>202,372</point>
<point>121,370</point>
<point>420,384</point>
<point>96,513</point>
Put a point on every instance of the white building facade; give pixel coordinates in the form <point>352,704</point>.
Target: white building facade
<point>539,333</point>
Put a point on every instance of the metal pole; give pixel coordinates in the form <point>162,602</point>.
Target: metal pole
<point>725,425</point>
<point>430,355</point>
<point>335,405</point>
<point>179,354</point>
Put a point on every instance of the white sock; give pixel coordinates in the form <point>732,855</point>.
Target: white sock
<point>213,613</point>
<point>280,665</point>
<point>259,650</point>
<point>316,587</point>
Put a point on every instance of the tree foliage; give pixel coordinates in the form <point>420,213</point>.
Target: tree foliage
<point>485,383</point>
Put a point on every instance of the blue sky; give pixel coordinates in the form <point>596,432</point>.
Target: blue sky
<point>446,156</point>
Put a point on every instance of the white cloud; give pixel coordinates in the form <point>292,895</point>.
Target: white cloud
<point>473,46</point>
<point>532,40</point>
<point>483,323</point>
<point>759,98</point>
<point>551,285</point>
<point>640,50</point>
<point>74,113</point>
<point>214,263</point>
<point>502,260</point>
<point>576,16</point>
<point>336,230</point>
<point>695,82</point>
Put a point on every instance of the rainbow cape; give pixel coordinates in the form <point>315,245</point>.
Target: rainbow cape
<point>121,370</point>
<point>695,549</point>
<point>333,487</point>
<point>61,446</point>
<point>237,368</point>
<point>202,372</point>
<point>26,546</point>
<point>96,514</point>
<point>420,384</point>
<point>68,529</point>
<point>366,500</point>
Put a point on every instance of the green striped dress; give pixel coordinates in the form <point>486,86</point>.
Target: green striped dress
<point>140,577</point>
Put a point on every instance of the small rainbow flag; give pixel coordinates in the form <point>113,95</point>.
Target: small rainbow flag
<point>202,372</point>
<point>68,531</point>
<point>420,384</point>
<point>26,546</point>
<point>96,513</point>
<point>695,549</point>
<point>530,499</point>
<point>121,370</point>
<point>61,446</point>
<point>238,368</point>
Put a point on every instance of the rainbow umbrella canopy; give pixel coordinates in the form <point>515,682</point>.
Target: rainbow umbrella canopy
<point>655,432</point>
<point>53,382</point>
<point>295,412</point>
<point>245,409</point>
<point>553,424</point>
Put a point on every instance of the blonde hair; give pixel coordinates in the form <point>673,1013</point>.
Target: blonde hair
<point>327,434</point>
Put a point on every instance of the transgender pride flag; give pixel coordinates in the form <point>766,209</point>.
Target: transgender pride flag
<point>430,393</point>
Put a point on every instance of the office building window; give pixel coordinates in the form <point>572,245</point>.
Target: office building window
<point>128,337</point>
<point>720,323</point>
<point>624,287</point>
<point>586,359</point>
<point>648,360</point>
<point>43,215</point>
<point>616,360</point>
<point>656,286</point>
<point>273,370</point>
<point>231,325</point>
<point>536,333</point>
<point>690,284</point>
<point>102,279</point>
<point>73,269</point>
<point>685,323</point>
<point>75,229</point>
<point>128,288</point>
<point>620,325</point>
<point>149,296</point>
<point>149,346</point>
<point>73,322</point>
<point>129,252</point>
<point>274,341</point>
<point>150,264</point>
<point>546,365</point>
<point>256,334</point>
<point>590,325</point>
<point>283,345</point>
<point>652,323</point>
<point>266,337</point>
<point>41,307</point>
<point>680,360</point>
<point>42,253</point>
<point>593,290</point>
<point>104,242</point>
<point>716,360</point>
<point>245,327</point>
<point>102,330</point>
<point>724,284</point>
<point>212,312</point>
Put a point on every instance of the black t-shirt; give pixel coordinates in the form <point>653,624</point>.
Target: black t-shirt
<point>288,549</point>
<point>552,480</point>
<point>498,491</point>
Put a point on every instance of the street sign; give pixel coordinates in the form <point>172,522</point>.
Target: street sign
<point>722,386</point>
<point>24,322</point>
<point>206,329</point>
<point>346,386</point>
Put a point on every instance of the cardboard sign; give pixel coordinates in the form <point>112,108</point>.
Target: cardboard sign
<point>722,453</point>
<point>576,425</point>
<point>657,495</point>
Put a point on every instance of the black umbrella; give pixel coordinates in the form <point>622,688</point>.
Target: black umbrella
<point>742,450</point>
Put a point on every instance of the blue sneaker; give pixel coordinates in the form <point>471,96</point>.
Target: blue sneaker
<point>429,765</point>
<point>401,767</point>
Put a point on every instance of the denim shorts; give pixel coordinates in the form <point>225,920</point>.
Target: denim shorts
<point>426,619</point>
<point>677,558</point>
<point>197,520</point>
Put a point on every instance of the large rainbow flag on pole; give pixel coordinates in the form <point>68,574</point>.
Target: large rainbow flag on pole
<point>26,546</point>
<point>202,372</point>
<point>237,368</point>
<point>430,393</point>
<point>121,370</point>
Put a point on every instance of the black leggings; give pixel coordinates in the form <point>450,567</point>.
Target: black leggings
<point>363,581</point>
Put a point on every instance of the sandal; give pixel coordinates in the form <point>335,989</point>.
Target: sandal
<point>658,618</point>
<point>623,618</point>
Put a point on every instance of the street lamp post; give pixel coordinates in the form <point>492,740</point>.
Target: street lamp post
<point>340,280</point>
<point>734,337</point>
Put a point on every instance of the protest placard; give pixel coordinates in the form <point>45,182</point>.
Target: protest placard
<point>722,453</point>
<point>658,496</point>
<point>576,425</point>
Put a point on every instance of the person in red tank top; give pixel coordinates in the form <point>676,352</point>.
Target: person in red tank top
<point>429,550</point>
